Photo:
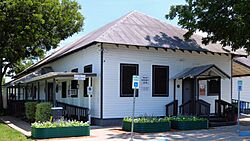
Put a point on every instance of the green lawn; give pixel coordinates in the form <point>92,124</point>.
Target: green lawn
<point>9,134</point>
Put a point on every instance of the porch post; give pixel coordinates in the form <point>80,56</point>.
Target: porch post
<point>46,90</point>
<point>23,92</point>
<point>15,93</point>
<point>32,91</point>
<point>8,91</point>
<point>196,95</point>
<point>54,92</point>
<point>12,92</point>
<point>38,91</point>
<point>26,91</point>
<point>219,104</point>
<point>18,90</point>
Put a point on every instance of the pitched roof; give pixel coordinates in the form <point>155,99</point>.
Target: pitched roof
<point>140,30</point>
<point>199,70</point>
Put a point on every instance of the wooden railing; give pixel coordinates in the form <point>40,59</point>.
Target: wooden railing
<point>195,108</point>
<point>244,106</point>
<point>17,107</point>
<point>172,108</point>
<point>73,111</point>
<point>225,109</point>
<point>202,108</point>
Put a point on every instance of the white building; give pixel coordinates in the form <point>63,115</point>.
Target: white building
<point>187,76</point>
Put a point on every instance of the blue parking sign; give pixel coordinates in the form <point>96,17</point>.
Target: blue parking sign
<point>239,83</point>
<point>135,82</point>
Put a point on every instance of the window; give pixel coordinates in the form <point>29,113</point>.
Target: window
<point>213,87</point>
<point>160,80</point>
<point>126,73</point>
<point>74,85</point>
<point>64,89</point>
<point>87,69</point>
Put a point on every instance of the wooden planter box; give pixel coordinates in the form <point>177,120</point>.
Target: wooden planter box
<point>147,127</point>
<point>42,133</point>
<point>189,125</point>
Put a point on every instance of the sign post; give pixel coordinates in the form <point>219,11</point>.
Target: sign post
<point>239,85</point>
<point>135,86</point>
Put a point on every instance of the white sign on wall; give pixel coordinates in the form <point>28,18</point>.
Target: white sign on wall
<point>79,77</point>
<point>144,84</point>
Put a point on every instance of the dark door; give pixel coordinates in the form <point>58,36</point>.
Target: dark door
<point>50,92</point>
<point>187,95</point>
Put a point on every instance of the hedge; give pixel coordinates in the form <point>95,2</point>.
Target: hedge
<point>43,111</point>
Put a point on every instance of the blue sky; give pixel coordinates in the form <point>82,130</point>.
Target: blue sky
<point>100,12</point>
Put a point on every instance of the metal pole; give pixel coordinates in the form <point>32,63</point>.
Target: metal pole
<point>133,117</point>
<point>238,120</point>
<point>89,96</point>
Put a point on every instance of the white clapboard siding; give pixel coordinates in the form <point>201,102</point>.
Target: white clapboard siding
<point>245,93</point>
<point>90,55</point>
<point>118,107</point>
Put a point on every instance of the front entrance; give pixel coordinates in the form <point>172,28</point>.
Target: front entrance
<point>188,95</point>
<point>50,92</point>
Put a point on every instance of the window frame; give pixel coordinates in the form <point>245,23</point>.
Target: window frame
<point>85,93</point>
<point>77,85</point>
<point>153,81</point>
<point>121,80</point>
<point>214,94</point>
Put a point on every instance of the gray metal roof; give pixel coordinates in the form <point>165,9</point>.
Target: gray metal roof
<point>201,70</point>
<point>140,30</point>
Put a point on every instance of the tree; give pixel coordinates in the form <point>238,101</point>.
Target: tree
<point>31,27</point>
<point>224,21</point>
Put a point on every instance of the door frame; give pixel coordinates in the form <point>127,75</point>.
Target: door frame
<point>193,89</point>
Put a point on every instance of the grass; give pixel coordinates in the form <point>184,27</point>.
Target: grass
<point>9,134</point>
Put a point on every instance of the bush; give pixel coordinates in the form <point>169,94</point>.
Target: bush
<point>147,119</point>
<point>187,118</point>
<point>43,111</point>
<point>30,110</point>
<point>58,124</point>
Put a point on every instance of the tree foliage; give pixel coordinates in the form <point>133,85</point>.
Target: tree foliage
<point>28,28</point>
<point>224,21</point>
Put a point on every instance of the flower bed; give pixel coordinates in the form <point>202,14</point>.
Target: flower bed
<point>147,124</point>
<point>59,129</point>
<point>188,123</point>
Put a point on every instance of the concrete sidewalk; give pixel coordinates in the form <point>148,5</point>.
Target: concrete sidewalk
<point>17,124</point>
<point>97,133</point>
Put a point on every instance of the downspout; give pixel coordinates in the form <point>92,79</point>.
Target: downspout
<point>101,85</point>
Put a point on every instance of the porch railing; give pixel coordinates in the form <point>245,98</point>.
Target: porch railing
<point>17,107</point>
<point>225,109</point>
<point>195,107</point>
<point>73,111</point>
<point>244,106</point>
<point>172,108</point>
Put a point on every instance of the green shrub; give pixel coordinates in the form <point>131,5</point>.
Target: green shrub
<point>147,119</point>
<point>30,110</point>
<point>58,124</point>
<point>43,111</point>
<point>187,118</point>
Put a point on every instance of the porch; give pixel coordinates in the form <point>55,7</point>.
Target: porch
<point>51,87</point>
<point>201,95</point>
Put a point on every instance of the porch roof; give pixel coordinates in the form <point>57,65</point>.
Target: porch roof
<point>201,71</point>
<point>51,75</point>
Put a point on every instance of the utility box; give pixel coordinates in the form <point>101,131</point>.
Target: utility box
<point>57,113</point>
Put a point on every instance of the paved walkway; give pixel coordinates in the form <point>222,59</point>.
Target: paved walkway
<point>227,133</point>
<point>17,124</point>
